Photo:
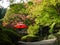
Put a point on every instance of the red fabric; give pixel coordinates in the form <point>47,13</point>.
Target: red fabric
<point>20,26</point>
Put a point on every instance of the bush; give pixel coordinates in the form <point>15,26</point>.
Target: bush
<point>43,14</point>
<point>8,36</point>
<point>20,13</point>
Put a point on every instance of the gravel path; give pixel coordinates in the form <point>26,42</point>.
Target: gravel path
<point>44,42</point>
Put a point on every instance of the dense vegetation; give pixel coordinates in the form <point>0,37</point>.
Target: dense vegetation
<point>42,18</point>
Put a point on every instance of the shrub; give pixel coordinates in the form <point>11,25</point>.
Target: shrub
<point>8,36</point>
<point>45,13</point>
<point>20,13</point>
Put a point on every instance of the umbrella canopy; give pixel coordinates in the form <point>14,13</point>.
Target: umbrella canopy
<point>20,26</point>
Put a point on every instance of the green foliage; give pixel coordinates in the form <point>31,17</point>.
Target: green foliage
<point>11,1</point>
<point>32,30</point>
<point>6,36</point>
<point>17,8</point>
<point>58,32</point>
<point>47,13</point>
<point>51,36</point>
<point>20,9</point>
<point>28,21</point>
<point>29,38</point>
<point>24,37</point>
<point>51,28</point>
<point>44,13</point>
<point>30,3</point>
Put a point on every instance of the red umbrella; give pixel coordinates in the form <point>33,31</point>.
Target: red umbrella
<point>20,26</point>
